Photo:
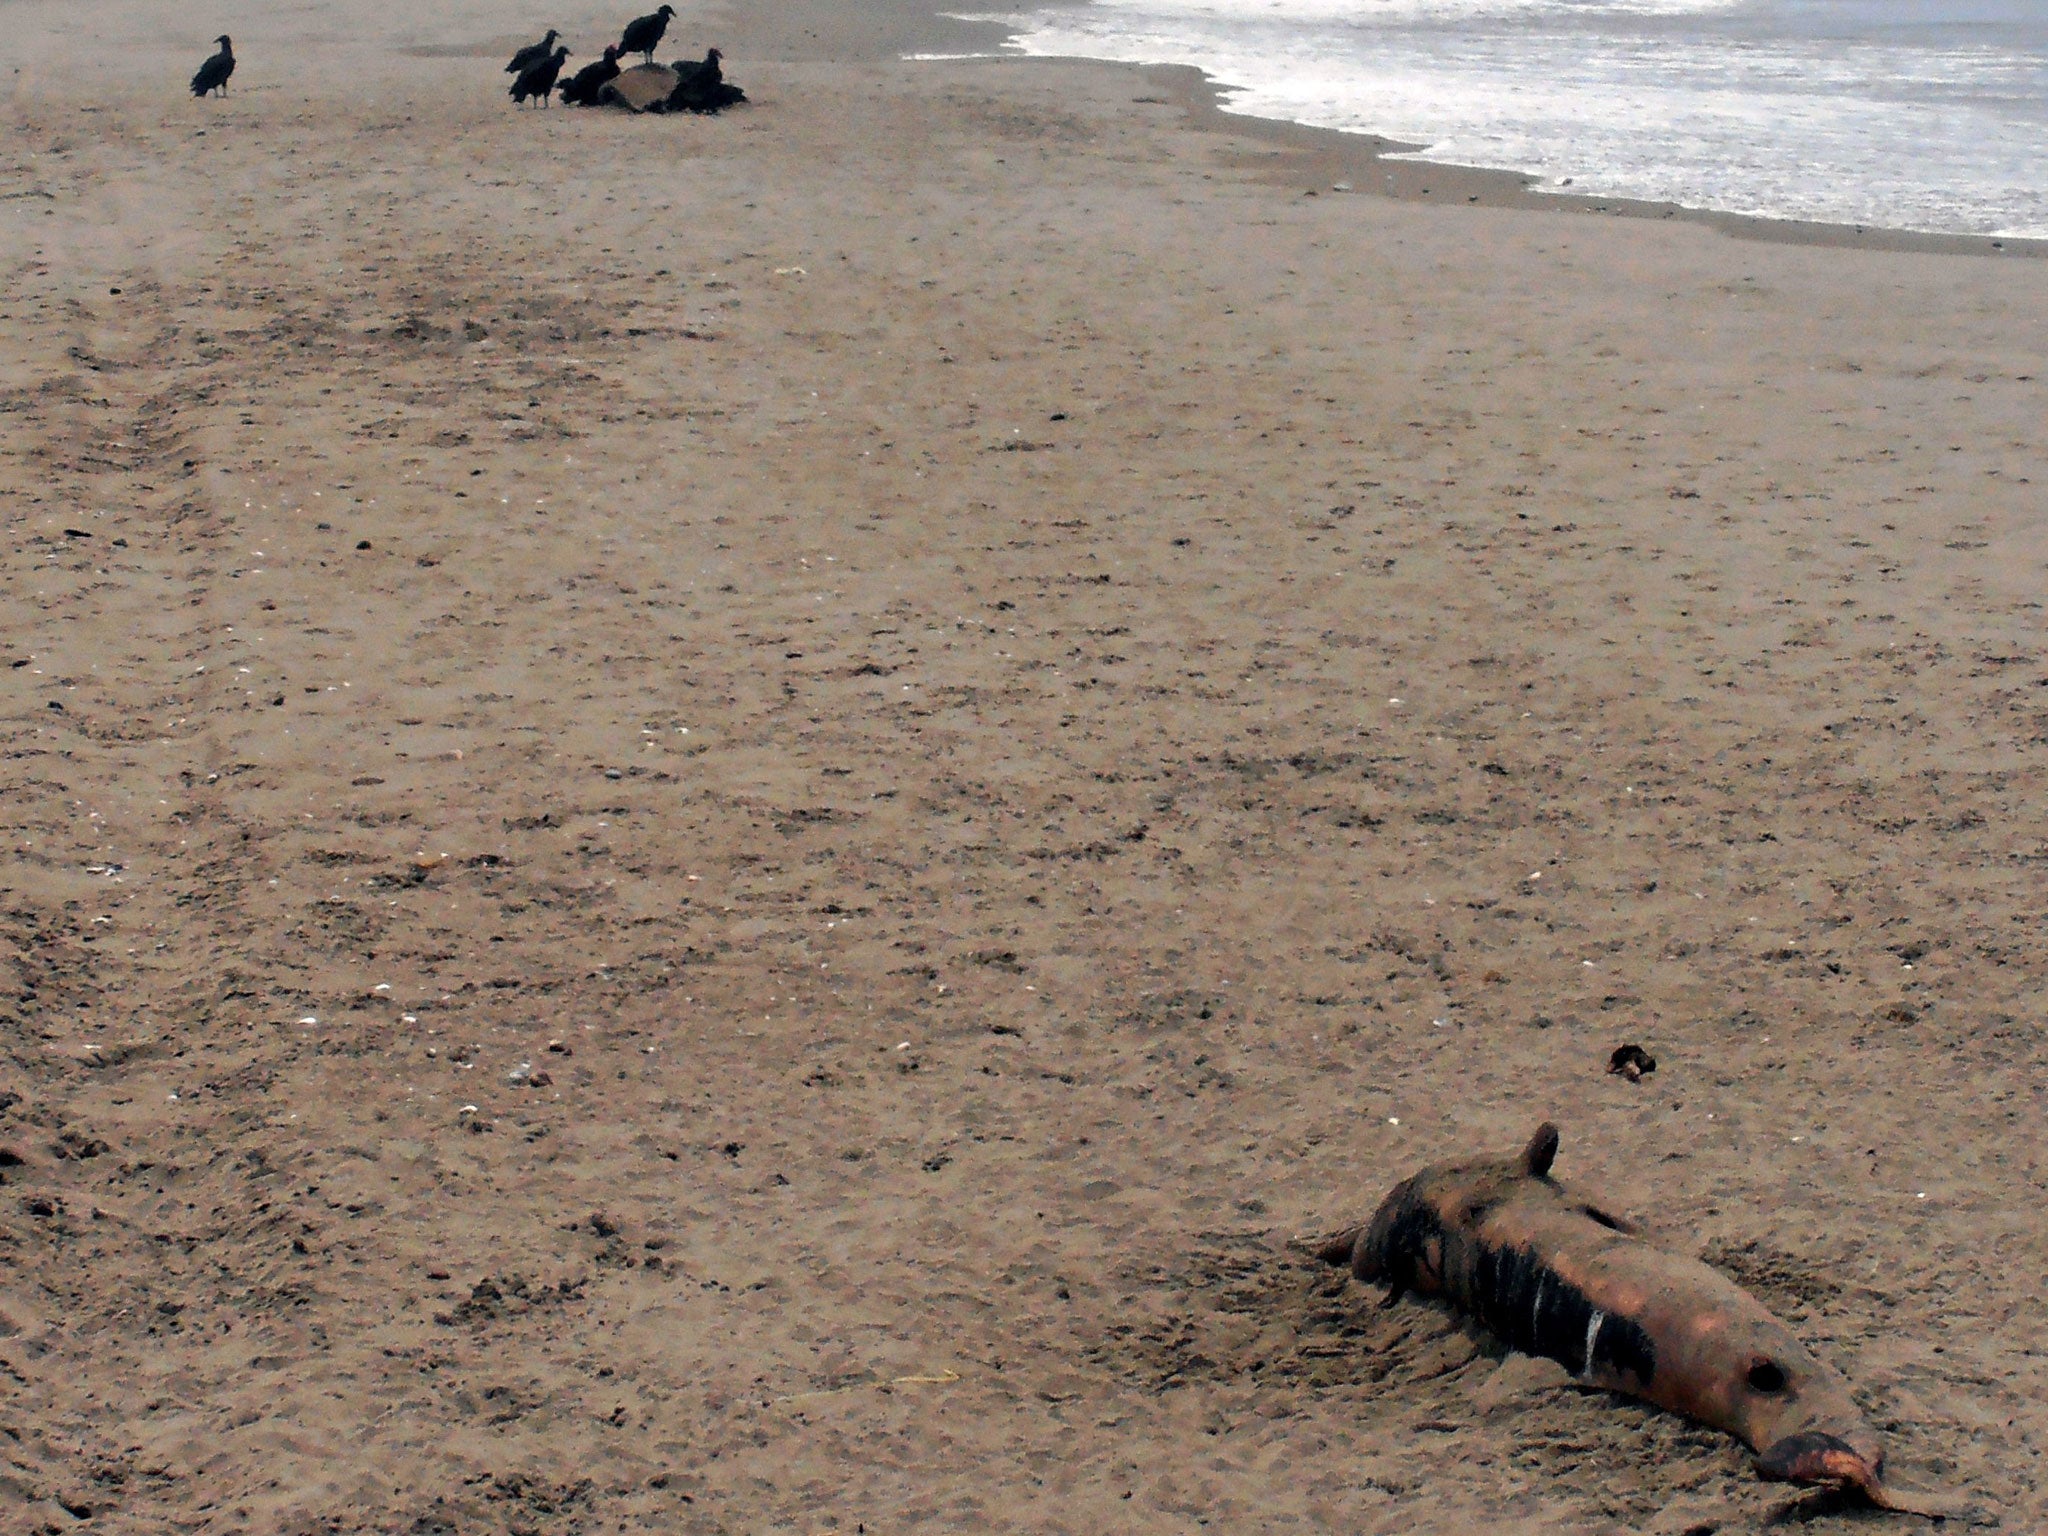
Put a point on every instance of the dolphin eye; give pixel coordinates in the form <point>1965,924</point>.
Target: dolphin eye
<point>1767,1376</point>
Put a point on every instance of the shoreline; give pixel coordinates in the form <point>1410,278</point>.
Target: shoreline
<point>1440,181</point>
<point>1323,157</point>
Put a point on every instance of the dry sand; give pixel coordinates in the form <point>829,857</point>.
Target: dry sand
<point>715,826</point>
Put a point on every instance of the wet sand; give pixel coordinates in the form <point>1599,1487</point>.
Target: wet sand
<point>717,825</point>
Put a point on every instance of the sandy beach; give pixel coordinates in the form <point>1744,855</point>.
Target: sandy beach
<point>717,825</point>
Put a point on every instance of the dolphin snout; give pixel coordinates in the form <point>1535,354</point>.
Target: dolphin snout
<point>1814,1456</point>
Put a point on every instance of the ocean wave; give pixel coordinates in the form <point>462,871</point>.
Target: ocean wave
<point>1743,106</point>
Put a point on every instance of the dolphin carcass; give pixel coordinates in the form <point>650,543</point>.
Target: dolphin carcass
<point>1550,1274</point>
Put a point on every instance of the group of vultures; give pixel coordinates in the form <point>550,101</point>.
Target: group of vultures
<point>688,85</point>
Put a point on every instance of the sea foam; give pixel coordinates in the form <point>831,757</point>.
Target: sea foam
<point>1906,114</point>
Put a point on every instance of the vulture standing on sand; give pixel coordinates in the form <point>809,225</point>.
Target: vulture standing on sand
<point>532,54</point>
<point>213,74</point>
<point>539,79</point>
<point>581,88</point>
<point>643,33</point>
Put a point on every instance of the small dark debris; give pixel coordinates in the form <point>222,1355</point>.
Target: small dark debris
<point>1631,1062</point>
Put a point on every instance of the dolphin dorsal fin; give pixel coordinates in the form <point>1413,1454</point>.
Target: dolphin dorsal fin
<point>1541,1152</point>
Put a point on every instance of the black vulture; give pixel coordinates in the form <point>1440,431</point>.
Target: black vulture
<point>532,54</point>
<point>213,74</point>
<point>643,33</point>
<point>539,79</point>
<point>701,86</point>
<point>581,88</point>
<point>705,69</point>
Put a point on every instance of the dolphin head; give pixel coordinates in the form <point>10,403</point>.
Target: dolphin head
<point>1805,1424</point>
